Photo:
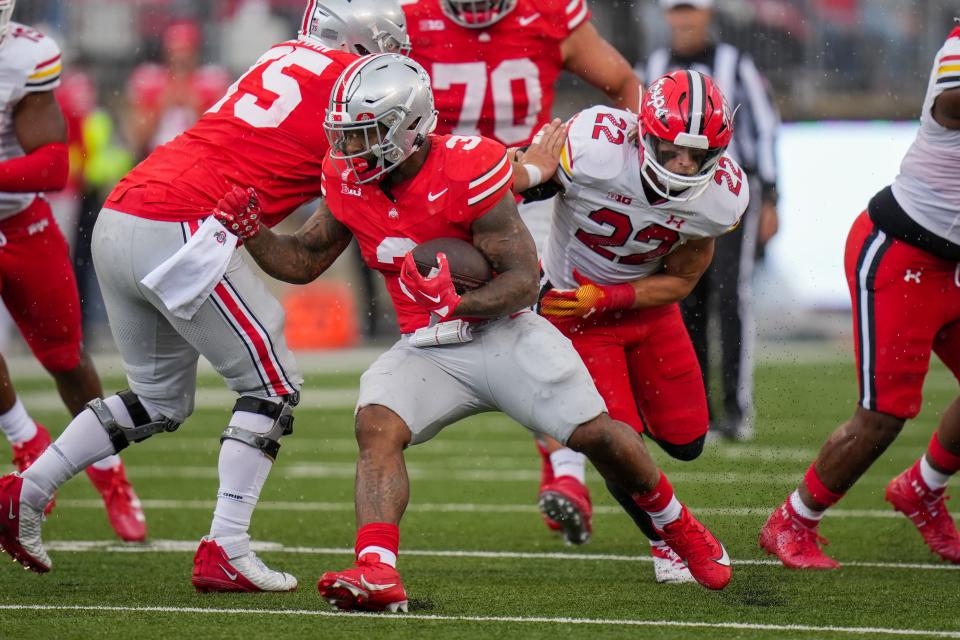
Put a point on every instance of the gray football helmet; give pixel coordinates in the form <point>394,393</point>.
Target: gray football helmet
<point>357,26</point>
<point>477,14</point>
<point>6,14</point>
<point>381,110</point>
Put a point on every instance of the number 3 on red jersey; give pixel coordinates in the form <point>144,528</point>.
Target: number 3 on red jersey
<point>269,92</point>
<point>510,84</point>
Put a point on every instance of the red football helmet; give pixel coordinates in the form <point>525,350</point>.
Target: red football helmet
<point>684,108</point>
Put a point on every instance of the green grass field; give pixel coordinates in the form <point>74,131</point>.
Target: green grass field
<point>475,557</point>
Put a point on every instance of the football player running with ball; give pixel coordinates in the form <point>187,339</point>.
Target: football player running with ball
<point>494,66</point>
<point>393,185</point>
<point>641,199</point>
<point>174,288</point>
<point>903,269</point>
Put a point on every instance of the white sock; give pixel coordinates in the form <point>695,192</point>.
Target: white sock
<point>243,471</point>
<point>110,462</point>
<point>81,444</point>
<point>803,510</point>
<point>386,556</point>
<point>931,477</point>
<point>567,462</point>
<point>662,518</point>
<point>17,424</point>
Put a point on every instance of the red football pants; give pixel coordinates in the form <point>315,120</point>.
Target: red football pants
<point>906,303</point>
<point>38,286</point>
<point>644,366</point>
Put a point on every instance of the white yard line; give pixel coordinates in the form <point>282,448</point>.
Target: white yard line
<point>454,507</point>
<point>744,626</point>
<point>189,546</point>
<point>448,471</point>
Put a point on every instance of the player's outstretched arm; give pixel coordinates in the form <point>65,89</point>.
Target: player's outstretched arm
<point>42,133</point>
<point>502,237</point>
<point>681,272</point>
<point>299,258</point>
<point>538,163</point>
<point>946,108</point>
<point>586,54</point>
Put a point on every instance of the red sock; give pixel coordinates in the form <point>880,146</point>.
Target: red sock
<point>381,538</point>
<point>818,490</point>
<point>937,454</point>
<point>658,499</point>
<point>809,523</point>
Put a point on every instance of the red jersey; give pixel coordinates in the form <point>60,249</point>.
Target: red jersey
<point>496,82</point>
<point>266,132</point>
<point>462,179</point>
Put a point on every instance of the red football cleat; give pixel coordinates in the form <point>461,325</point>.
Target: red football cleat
<point>20,527</point>
<point>213,572</point>
<point>566,501</point>
<point>797,545</point>
<point>546,478</point>
<point>123,506</point>
<point>26,453</point>
<point>370,586</point>
<point>706,558</point>
<point>928,512</point>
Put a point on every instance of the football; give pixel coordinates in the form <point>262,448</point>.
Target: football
<point>468,267</point>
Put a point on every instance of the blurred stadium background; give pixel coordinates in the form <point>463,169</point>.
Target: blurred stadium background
<point>848,76</point>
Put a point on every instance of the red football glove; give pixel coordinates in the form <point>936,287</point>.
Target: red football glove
<point>587,299</point>
<point>436,294</point>
<point>239,212</point>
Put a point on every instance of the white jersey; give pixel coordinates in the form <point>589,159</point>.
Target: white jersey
<point>29,63</point>
<point>604,226</point>
<point>928,186</point>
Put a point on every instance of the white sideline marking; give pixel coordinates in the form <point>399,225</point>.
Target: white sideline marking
<point>432,471</point>
<point>453,507</point>
<point>189,546</point>
<point>748,626</point>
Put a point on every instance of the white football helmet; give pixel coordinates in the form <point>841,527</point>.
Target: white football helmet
<point>477,14</point>
<point>6,14</point>
<point>357,26</point>
<point>381,110</point>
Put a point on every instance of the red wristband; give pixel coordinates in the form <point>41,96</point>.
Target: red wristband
<point>44,169</point>
<point>620,296</point>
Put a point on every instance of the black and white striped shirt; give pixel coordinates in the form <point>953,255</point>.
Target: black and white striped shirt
<point>757,119</point>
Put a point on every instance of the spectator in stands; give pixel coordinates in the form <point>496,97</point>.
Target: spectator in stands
<point>165,99</point>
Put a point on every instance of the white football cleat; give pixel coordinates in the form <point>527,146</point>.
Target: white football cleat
<point>213,571</point>
<point>668,567</point>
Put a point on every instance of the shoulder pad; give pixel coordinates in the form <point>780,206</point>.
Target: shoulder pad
<point>597,140</point>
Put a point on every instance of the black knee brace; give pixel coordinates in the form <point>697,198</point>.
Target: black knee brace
<point>143,427</point>
<point>280,412</point>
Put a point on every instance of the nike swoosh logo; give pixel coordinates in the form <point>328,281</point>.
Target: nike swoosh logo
<point>369,586</point>
<point>232,576</point>
<point>725,558</point>
<point>526,20</point>
<point>12,515</point>
<point>433,196</point>
<point>431,298</point>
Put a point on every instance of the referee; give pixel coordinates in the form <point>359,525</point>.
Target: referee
<point>725,288</point>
